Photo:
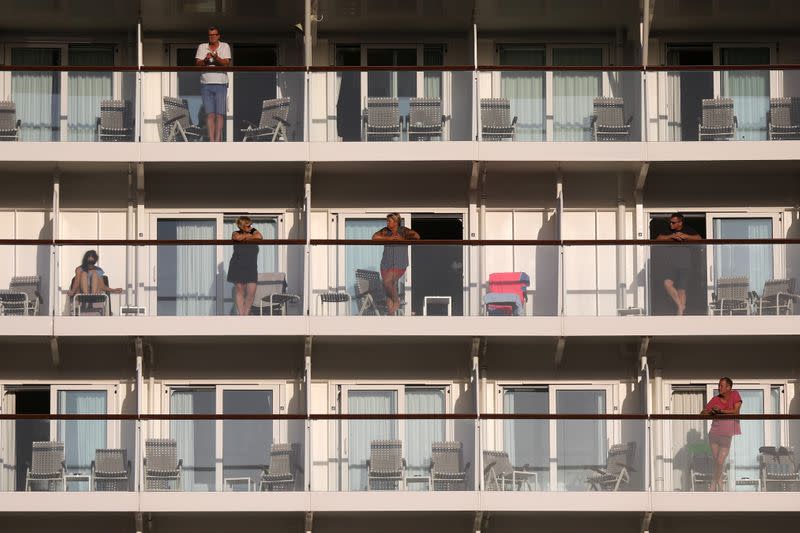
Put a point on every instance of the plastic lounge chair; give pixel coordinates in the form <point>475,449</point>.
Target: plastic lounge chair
<point>617,472</point>
<point>784,118</point>
<point>701,470</point>
<point>447,472</point>
<point>110,469</point>
<point>279,474</point>
<point>22,296</point>
<point>113,123</point>
<point>718,123</point>
<point>9,123</point>
<point>498,474</point>
<point>271,294</point>
<point>161,465</point>
<point>777,298</point>
<point>370,296</point>
<point>732,297</point>
<point>506,294</point>
<point>177,122</point>
<point>779,468</point>
<point>425,119</point>
<point>382,119</point>
<point>273,122</point>
<point>386,468</point>
<point>608,120</point>
<point>90,305</point>
<point>47,466</point>
<point>496,121</point>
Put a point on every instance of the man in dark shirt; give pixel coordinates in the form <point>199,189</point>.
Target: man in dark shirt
<point>677,277</point>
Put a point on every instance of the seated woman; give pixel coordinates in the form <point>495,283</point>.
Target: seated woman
<point>89,277</point>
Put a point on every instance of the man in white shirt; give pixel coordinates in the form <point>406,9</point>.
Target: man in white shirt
<point>214,85</point>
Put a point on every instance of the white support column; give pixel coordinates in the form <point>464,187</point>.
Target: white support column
<point>560,236</point>
<point>307,296</point>
<point>656,440</point>
<point>307,455</point>
<point>482,274</point>
<point>620,249</point>
<point>478,383</point>
<point>139,101</point>
<point>643,371</point>
<point>138,346</point>
<point>141,254</point>
<point>476,112</point>
<point>641,233</point>
<point>474,274</point>
<point>55,253</point>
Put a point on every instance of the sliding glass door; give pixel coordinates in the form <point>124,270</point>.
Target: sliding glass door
<point>527,442</point>
<point>360,433</point>
<point>756,262</point>
<point>749,89</point>
<point>37,95</point>
<point>574,92</point>
<point>421,434</point>
<point>245,443</point>
<point>196,438</point>
<point>525,90</point>
<point>87,89</point>
<point>81,438</point>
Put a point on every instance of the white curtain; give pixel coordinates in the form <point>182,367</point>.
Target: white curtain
<point>86,91</point>
<point>195,270</point>
<point>360,256</point>
<point>581,443</point>
<point>421,434</point>
<point>8,474</point>
<point>744,454</point>
<point>527,442</point>
<point>36,94</point>
<point>267,253</point>
<point>362,432</point>
<point>81,438</point>
<point>574,93</point>
<point>525,91</point>
<point>674,106</point>
<point>752,260</point>
<point>196,438</point>
<point>749,90</point>
<point>688,436</point>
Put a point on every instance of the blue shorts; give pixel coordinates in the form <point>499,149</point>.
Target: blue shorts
<point>214,96</point>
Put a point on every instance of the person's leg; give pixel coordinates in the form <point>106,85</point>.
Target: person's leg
<point>211,125</point>
<point>249,296</point>
<point>220,96</point>
<point>239,298</point>
<point>390,288</point>
<point>207,94</point>
<point>681,301</point>
<point>220,124</point>
<point>669,286</point>
<point>714,453</point>
<point>719,465</point>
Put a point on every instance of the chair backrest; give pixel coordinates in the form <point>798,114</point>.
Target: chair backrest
<point>497,461</point>
<point>773,286</point>
<point>383,112</point>
<point>8,115</point>
<point>609,111</point>
<point>509,282</point>
<point>269,283</point>
<point>386,455</point>
<point>620,456</point>
<point>701,463</point>
<point>30,285</point>
<point>110,461</point>
<point>281,460</point>
<point>113,115</point>
<point>177,108</point>
<point>13,302</point>
<point>733,288</point>
<point>273,111</point>
<point>425,112</point>
<point>446,457</point>
<point>780,112</point>
<point>161,454</point>
<point>718,112</point>
<point>495,113</point>
<point>47,457</point>
<point>369,282</point>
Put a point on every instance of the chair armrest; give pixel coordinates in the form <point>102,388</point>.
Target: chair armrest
<point>629,121</point>
<point>368,464</point>
<point>180,464</point>
<point>514,121</point>
<point>598,469</point>
<point>735,122</point>
<point>128,471</point>
<point>284,122</point>
<point>91,469</point>
<point>19,122</point>
<point>592,119</point>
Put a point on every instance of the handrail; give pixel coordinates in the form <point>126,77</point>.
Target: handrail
<point>397,416</point>
<point>369,242</point>
<point>553,68</point>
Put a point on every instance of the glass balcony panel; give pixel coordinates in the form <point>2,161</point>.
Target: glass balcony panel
<point>362,279</point>
<point>538,454</point>
<point>563,105</point>
<point>255,106</point>
<point>76,105</point>
<point>391,106</point>
<point>74,455</point>
<point>408,454</point>
<point>25,279</point>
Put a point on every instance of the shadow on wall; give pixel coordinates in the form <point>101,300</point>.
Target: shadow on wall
<point>793,251</point>
<point>43,255</point>
<point>545,296</point>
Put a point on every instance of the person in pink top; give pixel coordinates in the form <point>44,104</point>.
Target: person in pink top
<point>727,402</point>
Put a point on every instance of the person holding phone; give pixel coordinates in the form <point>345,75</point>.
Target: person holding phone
<point>214,85</point>
<point>727,402</point>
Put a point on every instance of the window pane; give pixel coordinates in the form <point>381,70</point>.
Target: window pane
<point>362,432</point>
<point>196,438</point>
<point>421,434</point>
<point>81,437</point>
<point>527,442</point>
<point>246,443</point>
<point>581,443</point>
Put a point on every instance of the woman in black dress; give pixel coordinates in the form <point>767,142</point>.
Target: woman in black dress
<point>243,268</point>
